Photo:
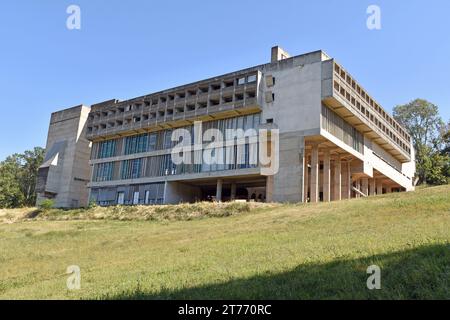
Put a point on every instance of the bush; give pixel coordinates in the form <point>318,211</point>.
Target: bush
<point>46,204</point>
<point>92,204</point>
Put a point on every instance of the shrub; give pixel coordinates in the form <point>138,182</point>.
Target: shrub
<point>46,204</point>
<point>92,204</point>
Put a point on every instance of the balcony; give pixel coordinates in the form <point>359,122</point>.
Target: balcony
<point>221,97</point>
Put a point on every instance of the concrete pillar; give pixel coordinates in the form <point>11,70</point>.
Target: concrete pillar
<point>315,174</point>
<point>388,189</point>
<point>269,189</point>
<point>365,186</point>
<point>337,188</point>
<point>358,186</point>
<point>306,180</point>
<point>326,177</point>
<point>219,190</point>
<point>349,180</point>
<point>379,187</point>
<point>372,186</point>
<point>233,191</point>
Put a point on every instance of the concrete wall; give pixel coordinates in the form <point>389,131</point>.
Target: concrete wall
<point>66,163</point>
<point>297,105</point>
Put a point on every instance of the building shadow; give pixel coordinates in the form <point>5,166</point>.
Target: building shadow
<point>420,273</point>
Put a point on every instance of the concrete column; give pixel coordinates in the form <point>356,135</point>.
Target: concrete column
<point>372,186</point>
<point>337,188</point>
<point>219,190</point>
<point>358,186</point>
<point>269,189</point>
<point>349,180</point>
<point>306,180</point>
<point>388,189</point>
<point>233,191</point>
<point>326,177</point>
<point>365,186</point>
<point>315,174</point>
<point>379,187</point>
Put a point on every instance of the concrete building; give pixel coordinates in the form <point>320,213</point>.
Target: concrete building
<point>65,173</point>
<point>335,141</point>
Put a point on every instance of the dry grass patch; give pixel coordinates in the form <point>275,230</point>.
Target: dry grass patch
<point>180,212</point>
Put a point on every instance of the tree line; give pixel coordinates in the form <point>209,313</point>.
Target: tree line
<point>430,136</point>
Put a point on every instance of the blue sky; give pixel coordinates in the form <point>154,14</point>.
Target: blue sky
<point>130,48</point>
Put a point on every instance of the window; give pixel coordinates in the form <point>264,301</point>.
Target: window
<point>106,149</point>
<point>136,144</point>
<point>270,97</point>
<point>251,79</point>
<point>269,120</point>
<point>227,99</point>
<point>131,169</point>
<point>228,84</point>
<point>214,102</point>
<point>136,198</point>
<point>152,141</point>
<point>121,198</point>
<point>251,94</point>
<point>103,172</point>
<point>202,105</point>
<point>167,139</point>
<point>241,81</point>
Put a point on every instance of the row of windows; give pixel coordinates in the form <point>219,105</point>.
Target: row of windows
<point>179,96</point>
<point>342,130</point>
<point>365,97</point>
<point>226,158</point>
<point>162,140</point>
<point>152,193</point>
<point>371,117</point>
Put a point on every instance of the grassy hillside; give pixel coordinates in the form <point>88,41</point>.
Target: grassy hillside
<point>244,252</point>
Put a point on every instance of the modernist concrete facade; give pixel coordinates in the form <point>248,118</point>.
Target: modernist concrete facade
<point>335,141</point>
<point>65,173</point>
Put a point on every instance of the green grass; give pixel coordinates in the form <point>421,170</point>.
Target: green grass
<point>263,252</point>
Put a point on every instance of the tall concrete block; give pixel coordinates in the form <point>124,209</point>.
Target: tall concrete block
<point>65,173</point>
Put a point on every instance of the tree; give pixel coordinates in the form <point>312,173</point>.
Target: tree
<point>422,120</point>
<point>31,161</point>
<point>18,175</point>
<point>10,192</point>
